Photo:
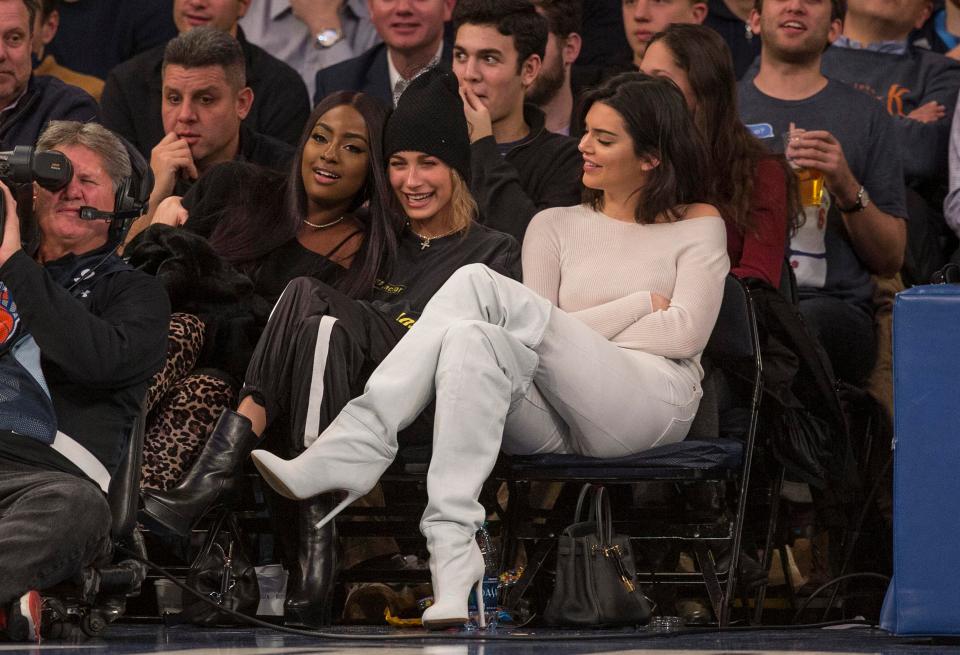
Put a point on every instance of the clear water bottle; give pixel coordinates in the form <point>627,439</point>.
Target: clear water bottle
<point>491,576</point>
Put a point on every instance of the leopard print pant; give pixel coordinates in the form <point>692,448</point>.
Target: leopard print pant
<point>184,342</point>
<point>179,426</point>
<point>184,407</point>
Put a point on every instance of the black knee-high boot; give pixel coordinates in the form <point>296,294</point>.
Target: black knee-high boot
<point>212,477</point>
<point>310,599</point>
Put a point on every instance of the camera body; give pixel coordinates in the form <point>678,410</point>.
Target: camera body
<point>23,165</point>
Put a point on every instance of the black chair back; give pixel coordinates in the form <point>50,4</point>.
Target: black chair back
<point>733,335</point>
<point>124,493</point>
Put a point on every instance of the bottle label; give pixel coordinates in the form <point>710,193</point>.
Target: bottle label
<point>491,596</point>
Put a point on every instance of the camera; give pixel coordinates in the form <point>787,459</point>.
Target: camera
<point>23,165</point>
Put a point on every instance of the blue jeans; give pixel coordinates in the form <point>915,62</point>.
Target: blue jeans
<point>52,525</point>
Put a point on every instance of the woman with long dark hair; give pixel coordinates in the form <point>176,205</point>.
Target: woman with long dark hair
<point>756,193</point>
<point>328,219</point>
<point>319,344</point>
<point>597,353</point>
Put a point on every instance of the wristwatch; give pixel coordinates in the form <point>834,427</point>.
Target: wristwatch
<point>863,200</point>
<point>327,37</point>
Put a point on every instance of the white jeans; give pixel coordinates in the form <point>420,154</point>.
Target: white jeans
<point>591,397</point>
<point>510,369</point>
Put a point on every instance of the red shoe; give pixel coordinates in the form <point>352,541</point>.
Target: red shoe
<point>21,622</point>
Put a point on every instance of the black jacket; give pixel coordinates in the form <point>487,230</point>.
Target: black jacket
<point>132,97</point>
<point>100,345</point>
<point>264,150</point>
<point>47,99</point>
<point>367,72</point>
<point>256,149</point>
<point>543,171</point>
<point>801,408</point>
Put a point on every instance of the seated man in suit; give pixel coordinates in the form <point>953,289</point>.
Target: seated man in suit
<point>412,34</point>
<point>311,35</point>
<point>131,98</point>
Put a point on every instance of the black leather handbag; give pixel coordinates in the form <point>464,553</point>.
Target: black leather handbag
<point>222,572</point>
<point>596,577</point>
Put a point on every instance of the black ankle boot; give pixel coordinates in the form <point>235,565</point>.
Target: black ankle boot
<point>212,476</point>
<point>310,599</point>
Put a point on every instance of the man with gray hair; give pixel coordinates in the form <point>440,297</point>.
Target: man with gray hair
<point>81,335</point>
<point>205,99</point>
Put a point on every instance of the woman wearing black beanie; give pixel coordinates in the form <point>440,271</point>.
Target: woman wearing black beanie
<point>318,346</point>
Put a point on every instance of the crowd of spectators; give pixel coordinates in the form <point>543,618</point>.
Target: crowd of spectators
<point>297,248</point>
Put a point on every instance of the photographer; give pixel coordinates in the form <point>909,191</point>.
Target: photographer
<point>83,333</point>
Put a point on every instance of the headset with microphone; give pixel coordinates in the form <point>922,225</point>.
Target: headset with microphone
<point>130,199</point>
<point>129,204</point>
<point>52,170</point>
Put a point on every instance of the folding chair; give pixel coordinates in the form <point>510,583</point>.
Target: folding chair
<point>733,347</point>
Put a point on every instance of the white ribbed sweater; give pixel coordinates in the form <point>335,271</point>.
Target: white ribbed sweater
<point>602,271</point>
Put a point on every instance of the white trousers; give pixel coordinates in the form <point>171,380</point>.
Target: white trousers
<point>510,370</point>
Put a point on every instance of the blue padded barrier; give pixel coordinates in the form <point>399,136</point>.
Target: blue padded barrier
<point>924,597</point>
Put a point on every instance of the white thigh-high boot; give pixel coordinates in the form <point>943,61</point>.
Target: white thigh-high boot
<point>359,445</point>
<point>482,370</point>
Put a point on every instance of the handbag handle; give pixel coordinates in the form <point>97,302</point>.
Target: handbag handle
<point>580,502</point>
<point>604,516</point>
<point>599,511</point>
<point>212,537</point>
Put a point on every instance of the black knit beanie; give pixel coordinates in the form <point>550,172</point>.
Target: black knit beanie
<point>429,118</point>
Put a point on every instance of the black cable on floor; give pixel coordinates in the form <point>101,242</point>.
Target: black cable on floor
<point>476,635</point>
<point>839,578</point>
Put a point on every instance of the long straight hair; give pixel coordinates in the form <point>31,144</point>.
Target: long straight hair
<point>239,229</point>
<point>380,224</point>
<point>706,59</point>
<point>656,117</point>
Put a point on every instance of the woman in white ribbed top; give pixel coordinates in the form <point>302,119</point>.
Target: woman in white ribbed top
<point>597,353</point>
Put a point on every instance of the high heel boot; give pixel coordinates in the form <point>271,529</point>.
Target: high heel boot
<point>479,371</point>
<point>347,457</point>
<point>310,600</point>
<point>456,568</point>
<point>211,478</point>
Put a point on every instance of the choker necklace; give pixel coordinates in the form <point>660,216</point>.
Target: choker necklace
<point>321,226</point>
<point>425,241</point>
